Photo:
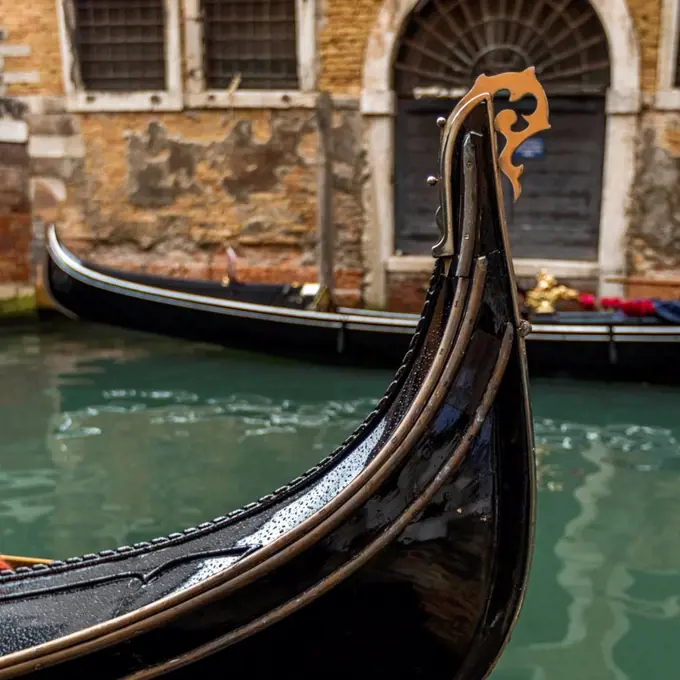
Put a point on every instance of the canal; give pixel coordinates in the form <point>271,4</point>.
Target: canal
<point>109,438</point>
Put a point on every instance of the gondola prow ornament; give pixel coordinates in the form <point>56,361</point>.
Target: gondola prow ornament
<point>403,554</point>
<point>518,85</point>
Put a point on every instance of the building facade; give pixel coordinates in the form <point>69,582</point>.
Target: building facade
<point>157,132</point>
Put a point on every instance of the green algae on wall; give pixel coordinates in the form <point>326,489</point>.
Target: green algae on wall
<point>16,301</point>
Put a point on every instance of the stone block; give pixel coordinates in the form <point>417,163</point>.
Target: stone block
<point>46,146</point>
<point>14,154</point>
<point>14,179</point>
<point>14,131</point>
<point>60,124</point>
<point>70,170</point>
<point>16,300</point>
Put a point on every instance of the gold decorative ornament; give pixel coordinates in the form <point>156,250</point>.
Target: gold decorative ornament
<point>518,84</point>
<point>541,299</point>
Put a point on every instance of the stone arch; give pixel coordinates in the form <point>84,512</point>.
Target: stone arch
<point>378,106</point>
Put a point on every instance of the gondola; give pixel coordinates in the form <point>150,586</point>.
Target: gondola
<point>287,320</point>
<point>608,345</point>
<point>403,554</point>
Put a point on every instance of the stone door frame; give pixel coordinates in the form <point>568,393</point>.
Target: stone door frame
<point>378,109</point>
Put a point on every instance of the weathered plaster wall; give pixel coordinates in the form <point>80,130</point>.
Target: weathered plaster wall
<point>167,193</point>
<point>654,232</point>
<point>33,23</point>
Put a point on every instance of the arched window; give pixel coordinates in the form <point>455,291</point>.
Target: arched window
<point>450,42</point>
<point>444,46</point>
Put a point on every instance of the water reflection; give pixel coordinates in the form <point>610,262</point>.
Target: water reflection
<point>106,448</point>
<point>608,552</point>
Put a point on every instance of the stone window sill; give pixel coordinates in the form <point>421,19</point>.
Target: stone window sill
<point>84,102</point>
<point>251,99</point>
<point>668,100</point>
<point>579,269</point>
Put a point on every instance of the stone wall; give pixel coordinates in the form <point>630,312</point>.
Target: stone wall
<point>15,204</point>
<point>166,192</point>
<point>654,231</point>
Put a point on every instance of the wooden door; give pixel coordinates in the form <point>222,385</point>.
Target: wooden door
<point>557,215</point>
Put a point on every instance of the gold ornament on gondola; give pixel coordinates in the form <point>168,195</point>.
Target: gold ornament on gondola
<point>542,298</point>
<point>518,84</point>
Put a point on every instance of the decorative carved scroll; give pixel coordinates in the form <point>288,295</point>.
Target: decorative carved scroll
<point>518,84</point>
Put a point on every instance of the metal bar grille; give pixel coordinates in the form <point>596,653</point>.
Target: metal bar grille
<point>253,38</point>
<point>448,43</point>
<point>120,44</point>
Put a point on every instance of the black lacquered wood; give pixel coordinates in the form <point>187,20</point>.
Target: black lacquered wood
<point>584,345</point>
<point>403,554</point>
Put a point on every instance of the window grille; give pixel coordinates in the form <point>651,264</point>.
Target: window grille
<point>120,44</point>
<point>448,43</point>
<point>255,39</point>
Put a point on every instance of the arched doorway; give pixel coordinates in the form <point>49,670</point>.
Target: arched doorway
<point>442,46</point>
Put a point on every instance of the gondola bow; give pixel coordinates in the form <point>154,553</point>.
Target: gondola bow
<point>404,554</point>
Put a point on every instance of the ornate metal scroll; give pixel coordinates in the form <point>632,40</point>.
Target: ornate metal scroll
<point>518,84</point>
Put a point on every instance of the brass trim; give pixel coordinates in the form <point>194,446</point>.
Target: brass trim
<point>470,226</point>
<point>21,561</point>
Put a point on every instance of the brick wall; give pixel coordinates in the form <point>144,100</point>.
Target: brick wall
<point>33,23</point>
<point>15,214</point>
<point>345,27</point>
<point>646,16</point>
<point>168,192</point>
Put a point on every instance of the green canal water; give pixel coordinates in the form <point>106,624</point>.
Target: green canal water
<point>108,438</point>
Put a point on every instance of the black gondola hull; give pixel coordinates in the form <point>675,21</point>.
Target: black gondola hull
<point>306,335</point>
<point>583,346</point>
<point>640,350</point>
<point>405,552</point>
